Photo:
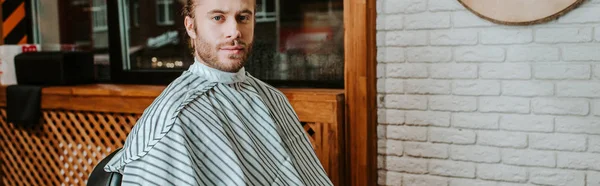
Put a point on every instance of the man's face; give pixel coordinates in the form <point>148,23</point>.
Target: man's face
<point>222,32</point>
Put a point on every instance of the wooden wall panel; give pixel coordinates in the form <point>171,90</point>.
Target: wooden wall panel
<point>360,85</point>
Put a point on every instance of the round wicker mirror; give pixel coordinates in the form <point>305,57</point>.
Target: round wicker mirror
<point>520,12</point>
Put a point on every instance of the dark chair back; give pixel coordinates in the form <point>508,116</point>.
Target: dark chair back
<point>99,177</point>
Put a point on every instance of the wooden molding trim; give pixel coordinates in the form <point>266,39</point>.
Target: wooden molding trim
<point>311,105</point>
<point>360,85</point>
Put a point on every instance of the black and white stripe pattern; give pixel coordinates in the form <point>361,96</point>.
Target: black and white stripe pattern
<point>203,131</point>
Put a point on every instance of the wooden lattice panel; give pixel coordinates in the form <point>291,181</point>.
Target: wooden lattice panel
<point>316,137</point>
<point>63,149</point>
<point>313,131</point>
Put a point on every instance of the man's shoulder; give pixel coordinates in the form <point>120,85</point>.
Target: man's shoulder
<point>265,88</point>
<point>175,90</point>
<point>176,93</point>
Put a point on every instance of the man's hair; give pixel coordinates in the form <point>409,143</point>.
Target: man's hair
<point>188,10</point>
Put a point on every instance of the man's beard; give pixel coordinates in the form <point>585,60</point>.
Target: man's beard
<point>209,54</point>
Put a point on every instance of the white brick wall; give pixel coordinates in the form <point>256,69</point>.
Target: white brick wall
<point>429,54</point>
<point>479,54</point>
<point>467,19</point>
<point>557,177</point>
<point>581,53</point>
<point>453,37</point>
<point>404,6</point>
<point>418,180</point>
<point>452,168</point>
<point>532,53</point>
<point>404,164</point>
<point>453,71</point>
<point>402,70</point>
<point>569,142</point>
<point>390,178</point>
<point>444,5</point>
<point>502,139</point>
<point>557,72</point>
<point>527,88</point>
<point>470,182</point>
<point>411,38</point>
<point>504,104</point>
<point>597,66</point>
<point>579,89</point>
<point>586,14</point>
<point>475,153</point>
<point>427,150</point>
<point>476,88</point>
<point>563,106</point>
<point>475,121</point>
<point>407,133</point>
<point>528,158</point>
<point>427,20</point>
<point>506,36</point>
<point>505,71</point>
<point>406,102</point>
<point>578,160</point>
<point>594,143</point>
<point>441,119</point>
<point>502,172</point>
<point>427,86</point>
<point>466,102</point>
<point>456,136</point>
<point>563,35</point>
<point>593,179</point>
<point>596,107</point>
<point>597,29</point>
<point>527,123</point>
<point>580,125</point>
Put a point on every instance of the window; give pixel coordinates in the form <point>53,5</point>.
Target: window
<point>75,25</point>
<point>302,47</point>
<point>99,16</point>
<point>164,12</point>
<point>262,14</point>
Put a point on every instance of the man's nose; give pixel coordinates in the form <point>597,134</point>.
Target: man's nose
<point>233,30</point>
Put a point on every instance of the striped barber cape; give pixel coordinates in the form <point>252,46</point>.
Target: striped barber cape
<point>210,127</point>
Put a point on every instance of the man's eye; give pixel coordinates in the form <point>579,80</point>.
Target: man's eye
<point>244,18</point>
<point>217,18</point>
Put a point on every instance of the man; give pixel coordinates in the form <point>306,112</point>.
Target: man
<point>216,124</point>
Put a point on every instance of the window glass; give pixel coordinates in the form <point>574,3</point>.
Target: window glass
<point>294,40</point>
<point>75,25</point>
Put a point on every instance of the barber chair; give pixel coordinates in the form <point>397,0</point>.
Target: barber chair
<point>99,177</point>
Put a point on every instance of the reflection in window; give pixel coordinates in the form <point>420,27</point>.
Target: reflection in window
<point>99,16</point>
<point>164,12</point>
<point>135,15</point>
<point>75,25</point>
<point>263,14</point>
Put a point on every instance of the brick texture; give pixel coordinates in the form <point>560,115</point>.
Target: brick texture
<point>464,101</point>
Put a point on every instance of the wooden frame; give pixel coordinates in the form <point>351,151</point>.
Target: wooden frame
<point>360,90</point>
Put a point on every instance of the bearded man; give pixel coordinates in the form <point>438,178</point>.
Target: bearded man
<point>216,124</point>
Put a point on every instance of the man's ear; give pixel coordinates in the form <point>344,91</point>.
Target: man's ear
<point>190,28</point>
